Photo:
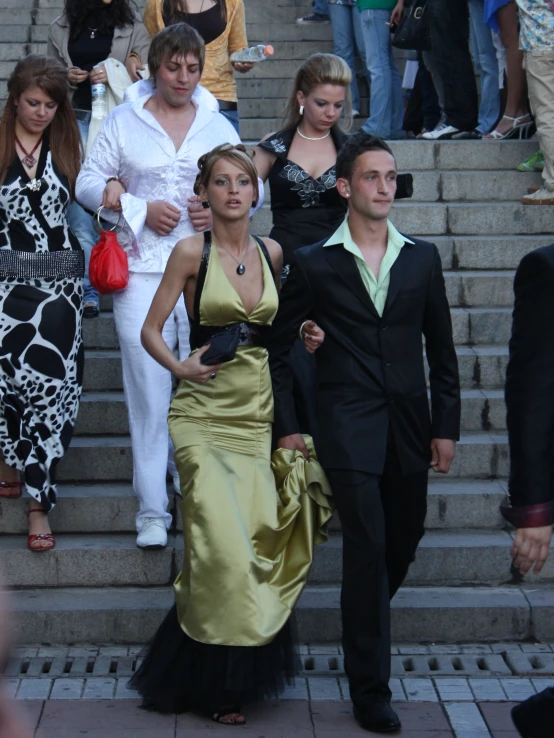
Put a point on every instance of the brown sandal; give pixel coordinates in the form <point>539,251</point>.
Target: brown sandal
<point>234,713</point>
<point>17,488</point>
<point>34,537</point>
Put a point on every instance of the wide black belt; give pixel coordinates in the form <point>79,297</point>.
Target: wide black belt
<point>250,334</point>
<point>48,265</point>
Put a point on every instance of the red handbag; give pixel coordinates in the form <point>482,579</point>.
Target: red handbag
<point>108,268</point>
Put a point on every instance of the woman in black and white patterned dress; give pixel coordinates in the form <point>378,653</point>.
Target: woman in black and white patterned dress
<point>41,287</point>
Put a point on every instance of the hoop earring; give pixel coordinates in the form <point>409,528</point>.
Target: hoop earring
<point>205,204</point>
<point>301,111</point>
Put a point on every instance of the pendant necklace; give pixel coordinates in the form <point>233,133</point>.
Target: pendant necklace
<point>313,138</point>
<point>240,268</point>
<point>92,32</point>
<point>29,160</point>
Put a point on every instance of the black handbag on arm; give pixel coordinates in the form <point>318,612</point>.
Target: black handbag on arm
<point>413,30</point>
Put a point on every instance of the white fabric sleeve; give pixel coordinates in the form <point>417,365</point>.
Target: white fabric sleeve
<point>103,162</point>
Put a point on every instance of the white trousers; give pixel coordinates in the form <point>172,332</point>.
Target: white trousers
<point>147,387</point>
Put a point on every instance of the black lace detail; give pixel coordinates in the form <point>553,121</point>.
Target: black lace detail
<point>309,188</point>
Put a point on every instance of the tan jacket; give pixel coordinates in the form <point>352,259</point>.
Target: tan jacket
<point>126,39</point>
<point>217,75</point>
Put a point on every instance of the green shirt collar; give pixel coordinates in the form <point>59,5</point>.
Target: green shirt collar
<point>343,236</point>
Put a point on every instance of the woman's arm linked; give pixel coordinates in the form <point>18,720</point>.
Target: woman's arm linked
<point>182,265</point>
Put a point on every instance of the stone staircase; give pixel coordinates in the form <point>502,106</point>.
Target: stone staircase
<point>97,587</point>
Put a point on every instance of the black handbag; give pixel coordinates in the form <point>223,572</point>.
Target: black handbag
<point>223,346</point>
<point>413,30</point>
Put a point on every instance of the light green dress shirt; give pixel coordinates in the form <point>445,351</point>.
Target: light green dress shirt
<point>377,287</point>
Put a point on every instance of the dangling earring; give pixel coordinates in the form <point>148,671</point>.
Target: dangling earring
<point>205,204</point>
<point>301,111</point>
<point>254,203</point>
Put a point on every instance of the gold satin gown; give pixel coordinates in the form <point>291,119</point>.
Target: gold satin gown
<point>250,524</point>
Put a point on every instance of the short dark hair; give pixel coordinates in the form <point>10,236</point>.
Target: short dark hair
<point>177,40</point>
<point>354,147</point>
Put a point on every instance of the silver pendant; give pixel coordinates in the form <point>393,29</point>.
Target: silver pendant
<point>241,269</point>
<point>93,34</point>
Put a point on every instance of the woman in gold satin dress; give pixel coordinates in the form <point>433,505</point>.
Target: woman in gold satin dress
<point>248,544</point>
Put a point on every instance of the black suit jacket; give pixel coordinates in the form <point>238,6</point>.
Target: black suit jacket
<point>530,392</point>
<point>370,370</point>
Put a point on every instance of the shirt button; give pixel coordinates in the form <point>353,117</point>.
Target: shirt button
<point>387,363</point>
<point>384,327</point>
<point>390,400</point>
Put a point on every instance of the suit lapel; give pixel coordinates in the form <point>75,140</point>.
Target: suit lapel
<point>345,266</point>
<point>397,275</point>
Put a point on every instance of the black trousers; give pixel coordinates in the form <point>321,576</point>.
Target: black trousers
<point>382,518</point>
<point>451,60</point>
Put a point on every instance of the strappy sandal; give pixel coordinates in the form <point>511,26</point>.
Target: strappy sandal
<point>5,488</point>
<point>518,129</point>
<point>218,717</point>
<point>32,538</point>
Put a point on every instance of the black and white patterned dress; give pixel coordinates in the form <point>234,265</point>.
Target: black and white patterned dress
<point>41,347</point>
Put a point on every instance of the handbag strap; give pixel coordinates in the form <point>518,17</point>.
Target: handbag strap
<point>202,271</point>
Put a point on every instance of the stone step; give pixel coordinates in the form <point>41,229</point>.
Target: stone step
<point>444,558</point>
<point>470,326</point>
<point>105,413</point>
<point>487,252</point>
<point>109,458</point>
<point>480,367</point>
<point>111,508</point>
<point>453,558</point>
<point>485,288</point>
<point>127,615</point>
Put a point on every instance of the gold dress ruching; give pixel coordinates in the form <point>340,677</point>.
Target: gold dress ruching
<point>249,539</point>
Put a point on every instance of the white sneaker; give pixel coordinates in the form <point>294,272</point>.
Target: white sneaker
<point>153,533</point>
<point>441,132</point>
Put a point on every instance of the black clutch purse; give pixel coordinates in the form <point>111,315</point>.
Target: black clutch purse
<point>223,346</point>
<point>413,30</point>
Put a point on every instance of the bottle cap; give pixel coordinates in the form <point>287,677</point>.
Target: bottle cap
<point>269,50</point>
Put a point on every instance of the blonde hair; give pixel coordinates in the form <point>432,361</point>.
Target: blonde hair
<point>319,69</point>
<point>237,155</point>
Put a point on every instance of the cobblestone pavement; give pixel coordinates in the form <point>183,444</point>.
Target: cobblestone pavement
<point>97,703</point>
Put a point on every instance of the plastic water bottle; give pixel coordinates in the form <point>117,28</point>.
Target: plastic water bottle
<point>258,53</point>
<point>99,102</point>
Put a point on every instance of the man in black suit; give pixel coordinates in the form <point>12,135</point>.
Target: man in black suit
<point>375,293</point>
<point>530,421</point>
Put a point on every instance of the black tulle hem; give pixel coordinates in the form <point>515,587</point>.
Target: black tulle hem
<point>179,674</point>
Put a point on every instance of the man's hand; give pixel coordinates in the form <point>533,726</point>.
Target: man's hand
<point>201,218</point>
<point>162,217</point>
<point>75,75</point>
<point>132,65</point>
<point>443,451</point>
<point>531,546</point>
<point>98,75</point>
<point>312,335</point>
<point>294,442</point>
<point>112,195</point>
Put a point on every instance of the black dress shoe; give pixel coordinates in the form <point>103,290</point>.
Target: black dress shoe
<point>534,718</point>
<point>378,717</point>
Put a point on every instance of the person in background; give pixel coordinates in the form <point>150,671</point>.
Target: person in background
<point>386,104</point>
<point>537,42</point>
<point>516,121</point>
<point>299,163</point>
<point>451,67</point>
<point>221,24</point>
<point>485,58</point>
<point>144,164</point>
<point>87,33</point>
<point>423,110</point>
<point>41,287</point>
<point>530,421</point>
<point>320,14</point>
<point>347,40</point>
